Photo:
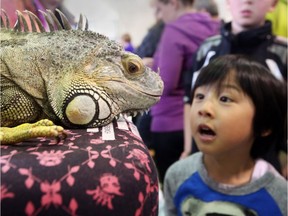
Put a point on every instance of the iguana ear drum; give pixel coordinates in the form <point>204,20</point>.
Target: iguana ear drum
<point>84,109</point>
<point>81,110</point>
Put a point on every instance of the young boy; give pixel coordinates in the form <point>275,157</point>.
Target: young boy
<point>249,34</point>
<point>238,113</point>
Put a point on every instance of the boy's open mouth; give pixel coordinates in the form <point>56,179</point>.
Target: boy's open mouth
<point>204,130</point>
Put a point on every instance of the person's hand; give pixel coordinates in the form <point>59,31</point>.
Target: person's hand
<point>148,62</point>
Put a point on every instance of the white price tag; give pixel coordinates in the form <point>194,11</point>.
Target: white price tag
<point>108,132</point>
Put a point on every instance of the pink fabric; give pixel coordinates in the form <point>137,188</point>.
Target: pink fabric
<point>82,175</point>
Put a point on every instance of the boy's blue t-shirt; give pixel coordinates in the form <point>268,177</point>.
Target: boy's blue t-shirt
<point>194,196</point>
<point>188,190</point>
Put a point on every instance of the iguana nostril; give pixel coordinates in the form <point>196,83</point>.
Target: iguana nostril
<point>81,110</point>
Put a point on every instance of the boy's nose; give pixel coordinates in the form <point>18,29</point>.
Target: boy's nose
<point>206,110</point>
<point>204,113</point>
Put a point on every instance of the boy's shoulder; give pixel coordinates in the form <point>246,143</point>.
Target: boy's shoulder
<point>185,167</point>
<point>277,188</point>
<point>178,172</point>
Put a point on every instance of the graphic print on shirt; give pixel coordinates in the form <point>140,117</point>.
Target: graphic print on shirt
<point>196,207</point>
<point>197,197</point>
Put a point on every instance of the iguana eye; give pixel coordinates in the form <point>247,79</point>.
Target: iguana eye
<point>133,64</point>
<point>133,68</point>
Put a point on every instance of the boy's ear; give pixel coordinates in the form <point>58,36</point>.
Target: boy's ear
<point>273,5</point>
<point>266,133</point>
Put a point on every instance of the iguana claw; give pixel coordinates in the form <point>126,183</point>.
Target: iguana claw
<point>42,128</point>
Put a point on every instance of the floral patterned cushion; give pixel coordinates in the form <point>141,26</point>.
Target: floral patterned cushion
<point>101,171</point>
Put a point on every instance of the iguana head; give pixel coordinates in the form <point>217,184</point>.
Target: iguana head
<point>97,80</point>
<point>107,85</point>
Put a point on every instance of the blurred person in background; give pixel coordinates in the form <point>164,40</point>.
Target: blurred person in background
<point>149,44</point>
<point>126,42</point>
<point>279,18</point>
<point>185,29</point>
<point>208,6</point>
<point>146,50</point>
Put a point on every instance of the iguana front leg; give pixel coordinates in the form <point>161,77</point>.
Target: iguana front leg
<point>42,128</point>
<point>17,107</point>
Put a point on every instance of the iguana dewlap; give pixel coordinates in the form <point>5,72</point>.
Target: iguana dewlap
<point>75,78</point>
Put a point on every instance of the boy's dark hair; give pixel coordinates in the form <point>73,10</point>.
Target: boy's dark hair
<point>268,94</point>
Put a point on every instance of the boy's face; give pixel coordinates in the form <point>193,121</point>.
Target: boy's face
<point>248,14</point>
<point>222,121</point>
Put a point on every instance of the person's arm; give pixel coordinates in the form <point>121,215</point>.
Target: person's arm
<point>187,149</point>
<point>187,132</point>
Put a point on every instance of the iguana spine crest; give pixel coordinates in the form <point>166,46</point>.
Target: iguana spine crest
<point>53,23</point>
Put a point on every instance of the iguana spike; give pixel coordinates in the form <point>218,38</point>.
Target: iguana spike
<point>2,23</point>
<point>32,21</point>
<point>51,26</point>
<point>86,24</point>
<point>17,26</point>
<point>80,22</point>
<point>55,20</point>
<point>36,19</point>
<point>65,22</point>
<point>7,22</point>
<point>22,21</point>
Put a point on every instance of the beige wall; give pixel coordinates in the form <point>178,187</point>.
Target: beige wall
<point>115,17</point>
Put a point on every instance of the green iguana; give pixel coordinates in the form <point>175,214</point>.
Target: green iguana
<point>75,78</point>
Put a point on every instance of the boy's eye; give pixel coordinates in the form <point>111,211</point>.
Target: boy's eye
<point>225,99</point>
<point>199,96</point>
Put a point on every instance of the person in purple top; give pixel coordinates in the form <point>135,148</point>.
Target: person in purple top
<point>185,29</point>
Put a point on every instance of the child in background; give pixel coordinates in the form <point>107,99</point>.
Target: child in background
<point>248,34</point>
<point>238,113</point>
<point>127,42</point>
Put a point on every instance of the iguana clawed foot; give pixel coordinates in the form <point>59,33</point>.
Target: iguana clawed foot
<point>42,128</point>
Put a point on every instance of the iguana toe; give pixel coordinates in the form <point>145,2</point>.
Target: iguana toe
<point>43,122</point>
<point>42,128</point>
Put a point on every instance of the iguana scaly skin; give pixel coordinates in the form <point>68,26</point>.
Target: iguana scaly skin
<point>75,78</point>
